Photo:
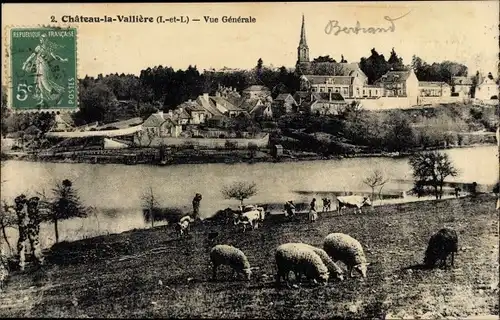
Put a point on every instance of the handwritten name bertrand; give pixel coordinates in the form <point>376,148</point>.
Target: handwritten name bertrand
<point>333,27</point>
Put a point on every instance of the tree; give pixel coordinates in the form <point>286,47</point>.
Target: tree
<point>259,67</point>
<point>66,205</point>
<point>240,191</point>
<point>324,59</point>
<point>150,205</point>
<point>431,168</point>
<point>375,179</point>
<point>7,219</point>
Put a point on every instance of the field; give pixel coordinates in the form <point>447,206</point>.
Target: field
<point>119,275</point>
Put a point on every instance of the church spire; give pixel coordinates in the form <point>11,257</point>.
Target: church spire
<point>303,33</point>
<point>303,49</point>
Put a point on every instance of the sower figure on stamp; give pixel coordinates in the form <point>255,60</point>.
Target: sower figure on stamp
<point>21,210</point>
<point>33,229</point>
<point>196,205</point>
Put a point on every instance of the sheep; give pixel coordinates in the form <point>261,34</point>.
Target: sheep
<point>228,255</point>
<point>342,247</point>
<point>334,270</point>
<point>441,245</point>
<point>301,260</point>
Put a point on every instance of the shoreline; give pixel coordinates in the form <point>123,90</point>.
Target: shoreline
<point>234,156</point>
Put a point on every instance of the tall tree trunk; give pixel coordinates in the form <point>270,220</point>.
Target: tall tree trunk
<point>56,230</point>
<point>5,237</point>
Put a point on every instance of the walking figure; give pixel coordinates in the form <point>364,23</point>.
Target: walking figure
<point>196,205</point>
<point>33,229</point>
<point>457,190</point>
<point>313,215</point>
<point>21,210</point>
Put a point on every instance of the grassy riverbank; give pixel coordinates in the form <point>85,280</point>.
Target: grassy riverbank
<point>118,275</point>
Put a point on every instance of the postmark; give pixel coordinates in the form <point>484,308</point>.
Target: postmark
<point>43,69</point>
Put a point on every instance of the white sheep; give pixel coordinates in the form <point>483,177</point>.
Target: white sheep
<point>300,260</point>
<point>223,254</point>
<point>342,247</point>
<point>334,270</point>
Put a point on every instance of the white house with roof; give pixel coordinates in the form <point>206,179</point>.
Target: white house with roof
<point>256,91</point>
<point>399,84</point>
<point>434,89</point>
<point>162,124</point>
<point>225,107</point>
<point>349,86</point>
<point>487,89</point>
<point>285,103</point>
<point>461,86</point>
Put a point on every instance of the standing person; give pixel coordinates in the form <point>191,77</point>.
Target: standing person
<point>20,207</point>
<point>196,205</point>
<point>290,208</point>
<point>313,215</point>
<point>33,229</point>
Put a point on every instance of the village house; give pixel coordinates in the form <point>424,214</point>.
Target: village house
<point>487,89</point>
<point>285,103</point>
<point>196,113</point>
<point>347,86</point>
<point>62,122</point>
<point>372,91</point>
<point>434,89</point>
<point>255,92</point>
<point>325,103</point>
<point>226,107</point>
<point>261,109</point>
<point>399,84</point>
<point>461,86</point>
<point>160,124</point>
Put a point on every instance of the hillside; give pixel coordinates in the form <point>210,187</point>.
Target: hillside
<point>118,275</point>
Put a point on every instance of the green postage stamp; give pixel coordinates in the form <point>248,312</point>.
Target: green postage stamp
<point>43,65</point>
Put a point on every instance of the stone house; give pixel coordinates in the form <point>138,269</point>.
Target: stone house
<point>285,103</point>
<point>486,89</point>
<point>325,103</point>
<point>434,89</point>
<point>399,84</point>
<point>461,86</point>
<point>255,92</point>
<point>162,125</point>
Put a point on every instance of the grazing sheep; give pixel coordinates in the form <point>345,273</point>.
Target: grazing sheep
<point>441,245</point>
<point>334,270</point>
<point>301,260</point>
<point>228,255</point>
<point>342,247</point>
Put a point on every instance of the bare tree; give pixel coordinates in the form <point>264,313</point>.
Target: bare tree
<point>374,180</point>
<point>150,204</point>
<point>240,191</point>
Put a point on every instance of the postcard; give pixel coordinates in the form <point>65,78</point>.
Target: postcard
<point>250,160</point>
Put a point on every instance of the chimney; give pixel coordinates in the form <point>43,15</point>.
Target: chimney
<point>170,113</point>
<point>180,110</point>
<point>217,94</point>
<point>160,113</point>
<point>205,96</point>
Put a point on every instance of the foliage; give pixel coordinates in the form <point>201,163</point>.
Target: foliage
<point>443,71</point>
<point>65,205</point>
<point>240,191</point>
<point>149,204</point>
<point>324,59</point>
<point>431,168</point>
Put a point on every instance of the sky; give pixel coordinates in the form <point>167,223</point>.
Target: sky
<point>462,31</point>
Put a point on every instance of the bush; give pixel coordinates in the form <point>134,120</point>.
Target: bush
<point>171,215</point>
<point>230,145</point>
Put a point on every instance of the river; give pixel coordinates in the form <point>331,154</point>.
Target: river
<point>116,189</point>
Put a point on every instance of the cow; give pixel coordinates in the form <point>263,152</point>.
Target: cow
<point>250,216</point>
<point>182,227</point>
<point>356,202</point>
